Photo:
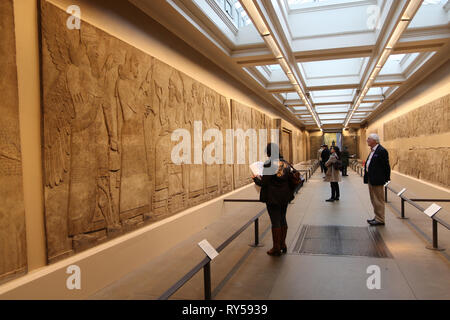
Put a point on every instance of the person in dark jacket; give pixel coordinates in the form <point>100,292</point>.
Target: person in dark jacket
<point>345,155</point>
<point>325,157</point>
<point>276,193</point>
<point>377,172</point>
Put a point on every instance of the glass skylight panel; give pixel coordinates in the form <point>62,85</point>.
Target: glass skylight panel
<point>396,57</point>
<point>332,116</point>
<point>274,67</point>
<point>332,93</point>
<point>377,91</point>
<point>298,4</point>
<point>234,12</point>
<point>434,2</point>
<point>333,68</point>
<point>366,105</point>
<point>332,121</point>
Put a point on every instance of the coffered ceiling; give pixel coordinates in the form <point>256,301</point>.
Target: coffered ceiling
<point>322,63</point>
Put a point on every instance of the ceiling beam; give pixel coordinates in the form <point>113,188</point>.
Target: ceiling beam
<point>354,86</point>
<point>332,54</point>
<point>281,90</point>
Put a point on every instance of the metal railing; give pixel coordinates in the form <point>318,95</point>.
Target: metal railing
<point>205,264</point>
<point>435,219</point>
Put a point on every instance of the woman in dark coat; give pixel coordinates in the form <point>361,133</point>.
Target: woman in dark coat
<point>276,193</point>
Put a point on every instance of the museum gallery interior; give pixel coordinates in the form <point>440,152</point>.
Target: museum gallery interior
<point>128,128</point>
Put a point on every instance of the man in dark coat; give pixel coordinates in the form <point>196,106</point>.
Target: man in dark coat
<point>325,156</point>
<point>377,172</point>
<point>345,155</point>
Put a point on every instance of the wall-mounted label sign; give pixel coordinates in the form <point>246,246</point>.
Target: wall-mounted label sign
<point>401,192</point>
<point>432,210</point>
<point>208,249</point>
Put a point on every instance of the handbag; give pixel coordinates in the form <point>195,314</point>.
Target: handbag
<point>338,165</point>
<point>295,178</point>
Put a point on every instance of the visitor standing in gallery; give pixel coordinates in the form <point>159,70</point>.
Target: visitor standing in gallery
<point>319,157</point>
<point>333,175</point>
<point>345,157</point>
<point>325,157</point>
<point>377,172</point>
<point>276,193</point>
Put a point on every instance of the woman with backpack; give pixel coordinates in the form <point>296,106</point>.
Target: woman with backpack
<point>334,165</point>
<point>276,192</point>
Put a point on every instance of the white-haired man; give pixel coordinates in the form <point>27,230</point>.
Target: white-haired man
<point>377,172</point>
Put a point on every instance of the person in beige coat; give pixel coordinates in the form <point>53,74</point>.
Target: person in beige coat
<point>333,175</point>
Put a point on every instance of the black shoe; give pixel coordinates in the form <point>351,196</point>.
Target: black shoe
<point>330,200</point>
<point>371,220</point>
<point>376,223</point>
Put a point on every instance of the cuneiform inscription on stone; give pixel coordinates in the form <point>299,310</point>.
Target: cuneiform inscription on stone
<point>13,255</point>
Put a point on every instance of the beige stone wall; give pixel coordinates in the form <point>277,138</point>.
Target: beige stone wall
<point>416,130</point>
<point>13,252</point>
<point>316,140</point>
<point>293,141</point>
<point>350,140</point>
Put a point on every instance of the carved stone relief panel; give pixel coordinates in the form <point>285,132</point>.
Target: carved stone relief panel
<point>241,119</point>
<point>13,254</point>
<point>110,112</point>
<point>414,158</point>
<point>286,144</point>
<point>432,118</point>
<point>350,142</point>
<point>430,164</point>
<point>245,118</point>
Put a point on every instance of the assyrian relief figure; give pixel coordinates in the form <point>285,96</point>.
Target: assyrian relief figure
<point>196,172</point>
<point>242,119</point>
<point>175,109</point>
<point>169,185</point>
<point>134,180</point>
<point>69,121</point>
<point>13,251</point>
<point>210,121</point>
<point>226,177</point>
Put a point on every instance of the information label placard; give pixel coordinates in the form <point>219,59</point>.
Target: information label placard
<point>208,249</point>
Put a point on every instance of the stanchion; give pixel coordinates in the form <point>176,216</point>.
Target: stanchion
<point>435,246</point>
<point>402,209</point>
<point>207,280</point>
<point>256,244</point>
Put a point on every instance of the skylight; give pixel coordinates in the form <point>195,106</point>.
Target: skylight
<point>434,2</point>
<point>234,12</point>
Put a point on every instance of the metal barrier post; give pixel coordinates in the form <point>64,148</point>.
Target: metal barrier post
<point>403,209</point>
<point>207,280</point>
<point>256,244</point>
<point>256,232</point>
<point>435,238</point>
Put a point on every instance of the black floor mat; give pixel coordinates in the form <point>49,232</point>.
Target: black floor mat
<point>341,241</point>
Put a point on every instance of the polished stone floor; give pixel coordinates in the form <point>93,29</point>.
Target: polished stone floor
<point>244,272</point>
